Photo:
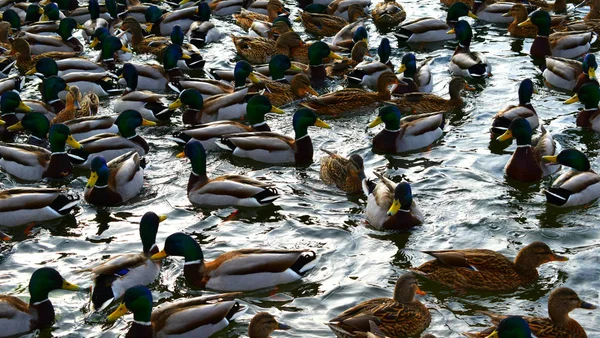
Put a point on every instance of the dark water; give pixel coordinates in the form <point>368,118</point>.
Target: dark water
<point>458,184</point>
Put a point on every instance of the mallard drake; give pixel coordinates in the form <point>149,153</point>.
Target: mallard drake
<point>10,101</point>
<point>390,206</point>
<point>72,107</point>
<point>95,21</point>
<point>162,24</point>
<point>25,61</point>
<point>317,52</point>
<point>525,164</point>
<point>209,133</point>
<point>114,182</point>
<point>408,133</point>
<point>46,67</point>
<point>203,31</point>
<point>367,73</point>
<point>86,127</point>
<point>561,302</point>
<point>38,125</point>
<point>341,7</point>
<point>203,316</point>
<point>401,316</point>
<point>351,34</point>
<point>322,24</point>
<point>509,327</point>
<point>259,50</point>
<point>350,99</point>
<point>346,173</point>
<point>432,30</point>
<point>487,270</point>
<point>589,95</point>
<point>50,89</point>
<point>502,120</point>
<point>388,13</point>
<point>274,148</point>
<point>464,62</point>
<point>562,44</point>
<point>26,205</point>
<point>417,79</point>
<point>493,12</point>
<point>64,42</point>
<point>226,190</point>
<point>412,103</point>
<point>245,18</point>
<point>570,74</point>
<point>574,187</point>
<point>263,324</point>
<point>32,163</point>
<point>20,317</point>
<point>111,47</point>
<point>114,276</point>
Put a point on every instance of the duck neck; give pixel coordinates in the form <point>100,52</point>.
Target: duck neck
<point>196,179</point>
<point>136,35</point>
<point>317,75</point>
<point>383,91</point>
<point>559,315</point>
<point>584,117</point>
<point>45,311</point>
<point>140,329</point>
<point>526,267</point>
<point>463,47</point>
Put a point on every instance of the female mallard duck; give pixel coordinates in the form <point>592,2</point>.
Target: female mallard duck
<point>25,61</point>
<point>64,42</point>
<point>162,24</point>
<point>574,187</point>
<point>418,79</point>
<point>85,127</point>
<point>350,99</point>
<point>562,44</point>
<point>114,276</point>
<point>322,24</point>
<point>509,327</point>
<point>408,133</point>
<point>203,31</point>
<point>464,62</point>
<point>388,13</point>
<point>341,7</point>
<point>141,44</point>
<point>341,67</point>
<point>367,73</point>
<point>263,324</point>
<point>390,206</point>
<point>570,74</point>
<point>274,148</point>
<point>72,107</point>
<point>401,316</point>
<point>501,121</point>
<point>417,103</point>
<point>433,30</point>
<point>19,317</point>
<point>561,302</point>
<point>114,182</point>
<point>346,173</point>
<point>233,270</point>
<point>209,133</point>
<point>493,12</point>
<point>32,163</point>
<point>259,50</point>
<point>519,13</point>
<point>589,95</point>
<point>245,18</point>
<point>487,270</point>
<point>317,52</point>
<point>226,190</point>
<point>34,205</point>
<point>525,164</point>
<point>203,316</point>
<point>282,94</point>
<point>38,125</point>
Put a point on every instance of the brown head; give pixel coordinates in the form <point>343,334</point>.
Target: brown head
<point>289,40</point>
<point>263,324</point>
<point>21,46</point>
<point>93,103</point>
<point>134,27</point>
<point>274,8</point>
<point>519,12</point>
<point>406,288</point>
<point>355,12</point>
<point>385,80</point>
<point>301,87</point>
<point>562,301</point>
<point>534,255</point>
<point>73,98</point>
<point>280,27</point>
<point>5,30</point>
<point>457,85</point>
<point>359,51</point>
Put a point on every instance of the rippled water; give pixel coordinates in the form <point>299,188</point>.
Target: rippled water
<point>458,184</point>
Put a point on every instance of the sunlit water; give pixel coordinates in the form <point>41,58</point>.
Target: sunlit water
<point>458,183</point>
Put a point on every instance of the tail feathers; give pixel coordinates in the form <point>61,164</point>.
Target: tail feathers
<point>64,203</point>
<point>77,156</point>
<point>102,294</point>
<point>355,77</point>
<point>303,263</point>
<point>557,196</point>
<point>500,125</point>
<point>403,34</point>
<point>478,70</point>
<point>225,144</point>
<point>181,138</point>
<point>267,196</point>
<point>368,186</point>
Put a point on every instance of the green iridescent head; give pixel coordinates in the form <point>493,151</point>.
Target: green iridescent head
<point>318,51</point>
<point>99,173</point>
<point>177,35</point>
<point>110,46</point>
<point>257,107</point>
<point>180,244</point>
<point>304,118</point>
<point>51,12</point>
<point>571,158</point>
<point>402,199</point>
<point>588,94</point>
<point>111,8</point>
<point>129,120</point>
<point>12,17</point>
<point>408,65</point>
<point>194,150</point>
<point>66,27</point>
<point>35,123</point>
<point>153,14</point>
<point>512,327</point>
<point>315,8</point>
<point>389,115</point>
<point>94,9</point>
<point>149,228</point>
<point>463,32</point>
<point>384,50</point>
<point>33,13</point>
<point>10,101</point>
<point>51,86</point>
<point>203,11</point>
<point>278,65</point>
<point>526,91</point>
<point>360,34</point>
<point>190,98</point>
<point>60,135</point>
<point>137,299</point>
<point>45,66</point>
<point>171,55</point>
<point>130,74</point>
<point>541,19</point>
<point>520,129</point>
<point>45,280</point>
<point>458,10</point>
<point>589,65</point>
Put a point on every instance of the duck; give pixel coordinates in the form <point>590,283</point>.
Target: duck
<point>351,34</point>
<point>95,21</point>
<point>209,133</point>
<point>576,187</point>
<point>263,324</point>
<point>418,79</point>
<point>493,12</point>
<point>367,73</point>
<point>589,95</point>
<point>341,67</point>
<point>420,103</point>
<point>10,102</point>
<point>487,270</point>
<point>427,29</point>
<point>400,316</point>
<point>227,190</point>
<point>141,44</point>
<point>35,163</point>
<point>341,7</point>
<point>390,206</point>
<point>46,66</point>
<point>111,146</point>
<point>50,88</point>
<point>281,94</point>
<point>562,44</point>
<point>594,12</point>
<point>72,107</point>
<point>20,317</point>
<point>464,62</point>
<point>408,133</point>
<point>512,326</point>
<point>210,314</point>
<point>203,32</point>
<point>350,99</point>
<point>323,24</point>
<point>85,127</point>
<point>245,18</point>
<point>37,124</point>
<point>519,13</point>
<point>266,268</point>
<point>109,56</point>
<point>64,42</point>
<point>525,164</point>
<point>114,182</point>
<point>161,24</point>
<point>274,148</point>
<point>101,84</point>
<point>570,74</point>
<point>25,205</point>
<point>562,301</point>
<point>317,53</point>
<point>388,13</point>
<point>501,121</point>
<point>346,174</point>
<point>25,61</point>
<point>257,50</point>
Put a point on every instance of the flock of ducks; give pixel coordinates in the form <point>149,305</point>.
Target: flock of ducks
<point>226,111</point>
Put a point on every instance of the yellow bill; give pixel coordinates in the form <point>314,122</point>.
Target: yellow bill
<point>276,110</point>
<point>401,69</point>
<point>44,17</point>
<point>175,104</point>
<point>506,136</point>
<point>183,2</point>
<point>31,71</point>
<point>118,313</point>
<point>14,127</point>
<point>70,286</point>
<point>550,158</point>
<point>471,15</point>
<point>376,122</point>
<point>186,57</point>
<point>125,49</point>
<point>2,122</point>
<point>493,335</point>
<point>526,23</point>
<point>92,180</point>
<point>298,69</point>
<point>334,56</point>
<point>252,77</point>
<point>573,99</point>
<point>148,123</point>
<point>180,155</point>
<point>149,27</point>
<point>94,43</point>
<point>159,255</point>
<point>161,218</point>
<point>394,208</point>
<point>22,106</point>
<point>321,124</point>
<point>74,144</point>
<point>592,73</point>
<point>451,31</point>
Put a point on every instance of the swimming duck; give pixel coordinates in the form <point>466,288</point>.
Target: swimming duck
<point>341,7</point>
<point>278,90</point>
<point>95,21</point>
<point>509,327</point>
<point>346,173</point>
<point>263,324</point>
<point>341,67</point>
<point>32,163</point>
<point>576,187</point>
<point>209,133</point>
<point>317,52</point>
<point>37,124</point>
<point>323,24</point>
<point>367,73</point>
<point>245,18</point>
<point>264,267</point>
<point>209,314</point>
<point>25,61</point>
<point>501,121</point>
<point>562,44</point>
<point>570,74</point>
<point>26,205</point>
<point>464,62</point>
<point>408,133</point>
<point>431,30</point>
<point>257,50</point>
<point>20,317</point>
<point>525,164</point>
<point>561,302</point>
<point>203,31</point>
<point>388,13</point>
<point>114,182</point>
<point>418,103</point>
<point>401,316</point>
<point>86,127</point>
<point>487,270</point>
<point>493,12</point>
<point>589,95</point>
<point>46,66</point>
<point>350,99</point>
<point>10,101</point>
<point>519,13</point>
<point>351,34</point>
<point>418,79</point>
<point>50,89</point>
<point>274,148</point>
<point>162,24</point>
<point>64,42</point>
<point>226,190</point>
